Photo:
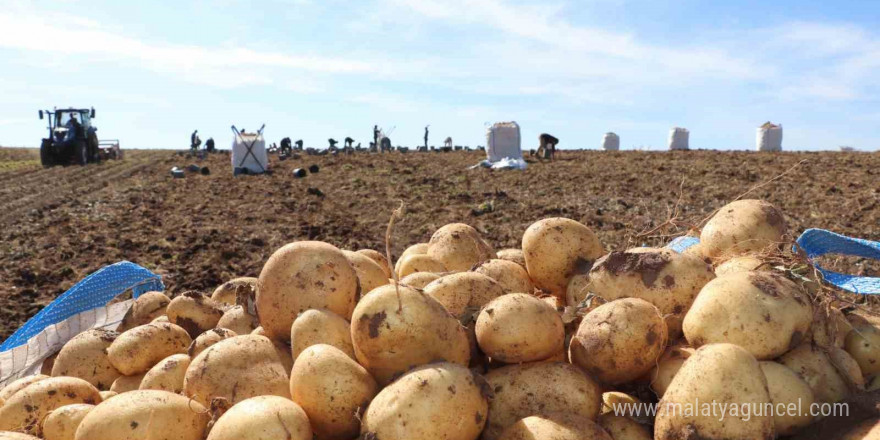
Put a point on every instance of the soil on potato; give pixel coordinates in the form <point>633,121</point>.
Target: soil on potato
<point>58,225</point>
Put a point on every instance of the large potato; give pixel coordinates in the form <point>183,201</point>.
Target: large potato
<point>208,339</point>
<point>124,384</point>
<point>762,312</point>
<point>167,375</point>
<point>726,377</point>
<point>461,291</point>
<point>619,341</point>
<point>145,415</point>
<point>863,344</point>
<point>437,401</point>
<point>513,255</point>
<point>395,329</point>
<point>539,388</point>
<point>519,327</point>
<point>25,409</point>
<point>787,391</point>
<point>301,276</point>
<point>263,418</point>
<point>556,249</point>
<point>144,309</point>
<point>512,277</point>
<point>318,326</point>
<point>333,390</point>
<point>459,247</point>
<point>85,357</point>
<point>236,369</point>
<point>18,385</point>
<point>62,422</point>
<point>194,312</point>
<point>829,328</point>
<point>238,320</point>
<point>667,367</point>
<point>419,280</point>
<point>416,263</point>
<point>235,290</point>
<point>379,258</point>
<point>416,249</point>
<point>135,351</point>
<point>814,366</point>
<point>559,426</point>
<point>370,273</point>
<point>662,277</point>
<point>741,227</point>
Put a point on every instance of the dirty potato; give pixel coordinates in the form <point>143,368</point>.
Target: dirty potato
<point>559,426</point>
<point>208,339</point>
<point>195,312</point>
<point>24,410</point>
<point>787,390</point>
<point>379,258</point>
<point>238,320</point>
<point>741,227</point>
<point>461,291</point>
<point>419,280</point>
<point>512,276</point>
<point>167,375</point>
<point>62,422</point>
<point>263,418</point>
<point>513,255</point>
<point>145,414</point>
<point>135,351</point>
<point>556,249</point>
<point>370,274</point>
<point>319,326</point>
<point>233,291</point>
<point>145,308</point>
<point>519,327</point>
<point>459,247</point>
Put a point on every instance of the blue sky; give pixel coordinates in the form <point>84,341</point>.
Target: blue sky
<point>314,69</point>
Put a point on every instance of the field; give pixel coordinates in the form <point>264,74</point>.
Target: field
<point>58,225</point>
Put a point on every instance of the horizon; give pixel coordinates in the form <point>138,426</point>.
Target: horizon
<point>315,70</point>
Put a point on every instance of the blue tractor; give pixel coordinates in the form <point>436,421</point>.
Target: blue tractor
<point>72,138</point>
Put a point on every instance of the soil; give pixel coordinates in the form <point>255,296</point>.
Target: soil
<point>58,225</point>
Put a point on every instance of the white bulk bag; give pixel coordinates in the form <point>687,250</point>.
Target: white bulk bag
<point>257,162</point>
<point>503,140</point>
<point>678,138</point>
<point>610,142</point>
<point>769,137</point>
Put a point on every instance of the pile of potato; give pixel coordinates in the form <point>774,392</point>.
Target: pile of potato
<point>540,342</point>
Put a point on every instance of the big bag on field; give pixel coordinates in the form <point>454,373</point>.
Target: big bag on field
<point>611,142</point>
<point>258,161</point>
<point>503,141</point>
<point>769,137</point>
<point>678,138</point>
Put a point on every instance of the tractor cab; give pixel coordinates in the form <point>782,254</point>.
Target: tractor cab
<point>72,137</point>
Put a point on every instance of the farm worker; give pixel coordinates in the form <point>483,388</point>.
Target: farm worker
<point>376,136</point>
<point>194,140</point>
<point>426,136</point>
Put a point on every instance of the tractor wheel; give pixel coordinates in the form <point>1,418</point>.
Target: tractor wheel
<point>46,158</point>
<point>81,152</point>
<point>94,151</point>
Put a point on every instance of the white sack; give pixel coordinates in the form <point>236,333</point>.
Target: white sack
<point>503,141</point>
<point>769,137</point>
<point>610,142</point>
<point>678,138</point>
<point>257,162</point>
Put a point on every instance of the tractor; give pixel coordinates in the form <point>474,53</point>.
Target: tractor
<point>72,138</point>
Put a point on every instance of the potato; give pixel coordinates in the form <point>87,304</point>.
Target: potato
<point>814,366</point>
<point>318,326</point>
<point>459,247</point>
<point>577,290</point>
<point>379,258</point>
<point>829,328</point>
<point>24,410</point>
<point>619,341</point>
<point>668,365</point>
<point>787,390</point>
<point>518,327</point>
<point>208,339</point>
<point>559,426</point>
<point>461,291</point>
<point>233,291</point>
<point>514,255</point>
<point>437,401</point>
<point>416,249</point>
<point>662,277</point>
<point>742,263</point>
<point>847,366</point>
<point>623,428</point>
<point>419,280</point>
<point>85,357</point>
<point>415,263</point>
<point>263,418</point>
<point>145,415</point>
<point>108,394</point>
<point>863,344</point>
<point>762,312</point>
<point>135,351</point>
<point>741,227</point>
<point>194,312</point>
<point>300,276</point>
<point>124,384</point>
<point>332,389</point>
<point>163,318</point>
<point>144,309</point>
<point>556,249</point>
<point>238,320</point>
<point>370,273</point>
<point>62,422</point>
<point>391,337</point>
<point>727,377</point>
<point>48,364</point>
<point>539,388</point>
<point>236,369</point>
<point>167,375</point>
<point>18,385</point>
<point>512,277</point>
<point>7,435</point>
<point>618,402</point>
<point>284,354</point>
